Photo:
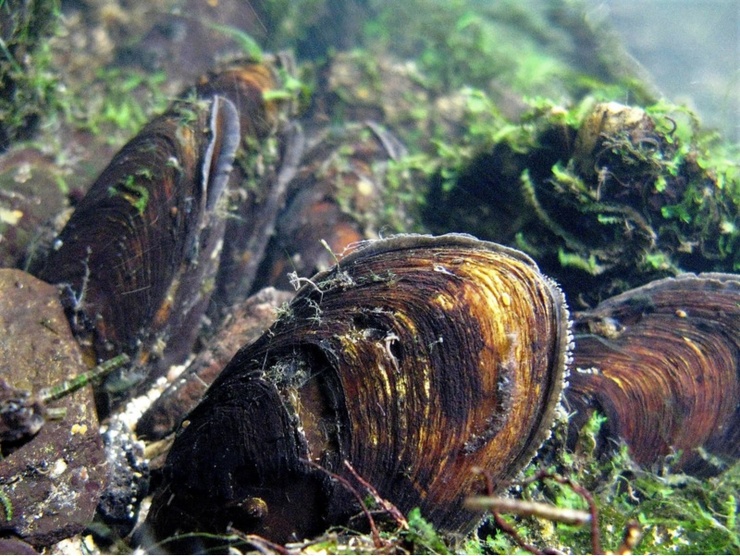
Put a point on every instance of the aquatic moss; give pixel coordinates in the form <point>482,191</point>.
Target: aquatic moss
<point>676,514</point>
<point>28,84</point>
<point>646,194</point>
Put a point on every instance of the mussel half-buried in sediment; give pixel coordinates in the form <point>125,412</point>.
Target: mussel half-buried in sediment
<point>661,362</point>
<point>134,257</point>
<point>138,259</point>
<point>415,358</point>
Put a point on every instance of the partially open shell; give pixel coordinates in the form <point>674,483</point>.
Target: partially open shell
<point>661,361</point>
<point>134,258</point>
<point>418,359</point>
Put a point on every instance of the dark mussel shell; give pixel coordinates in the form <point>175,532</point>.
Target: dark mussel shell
<point>135,258</point>
<point>661,362</point>
<point>418,359</point>
<point>245,323</point>
<point>261,176</point>
<point>245,83</point>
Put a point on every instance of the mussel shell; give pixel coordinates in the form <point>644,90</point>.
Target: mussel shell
<point>415,358</point>
<point>244,84</point>
<point>246,322</point>
<point>134,258</point>
<point>661,362</point>
<point>336,196</point>
<point>257,186</point>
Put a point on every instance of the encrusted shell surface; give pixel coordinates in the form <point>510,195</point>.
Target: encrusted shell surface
<point>661,362</point>
<point>418,359</point>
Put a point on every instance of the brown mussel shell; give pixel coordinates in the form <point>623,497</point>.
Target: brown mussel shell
<point>261,175</point>
<point>134,258</point>
<point>416,358</point>
<point>245,83</point>
<point>661,362</point>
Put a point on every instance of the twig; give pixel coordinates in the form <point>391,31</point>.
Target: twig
<point>586,495</point>
<point>527,508</point>
<point>501,523</point>
<point>83,379</point>
<point>377,541</point>
<point>392,510</point>
<point>261,544</point>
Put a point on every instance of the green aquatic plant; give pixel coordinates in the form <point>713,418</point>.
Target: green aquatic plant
<point>674,514</point>
<point>128,100</point>
<point>246,42</point>
<point>28,83</point>
<point>422,535</point>
<point>594,189</point>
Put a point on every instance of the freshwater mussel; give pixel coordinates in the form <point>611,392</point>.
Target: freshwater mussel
<point>417,359</point>
<point>333,200</point>
<point>146,235</point>
<point>137,259</point>
<point>336,198</point>
<point>661,362</point>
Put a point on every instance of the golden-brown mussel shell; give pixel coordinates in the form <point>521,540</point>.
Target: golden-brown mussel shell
<point>661,362</point>
<point>418,359</point>
<point>245,83</point>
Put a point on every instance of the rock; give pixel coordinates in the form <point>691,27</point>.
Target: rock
<point>50,483</point>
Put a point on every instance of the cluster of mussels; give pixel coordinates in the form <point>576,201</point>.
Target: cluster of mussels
<point>418,360</point>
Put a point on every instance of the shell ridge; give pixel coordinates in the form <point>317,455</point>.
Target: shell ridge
<point>219,156</point>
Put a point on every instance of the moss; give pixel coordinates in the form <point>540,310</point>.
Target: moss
<point>136,194</point>
<point>422,536</point>
<point>127,98</point>
<point>676,514</point>
<point>605,196</point>
<point>28,84</point>
<point>510,91</point>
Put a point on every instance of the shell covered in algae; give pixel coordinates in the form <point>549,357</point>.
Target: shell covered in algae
<point>661,362</point>
<point>416,358</point>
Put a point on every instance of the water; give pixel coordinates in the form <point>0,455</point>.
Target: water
<point>691,48</point>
